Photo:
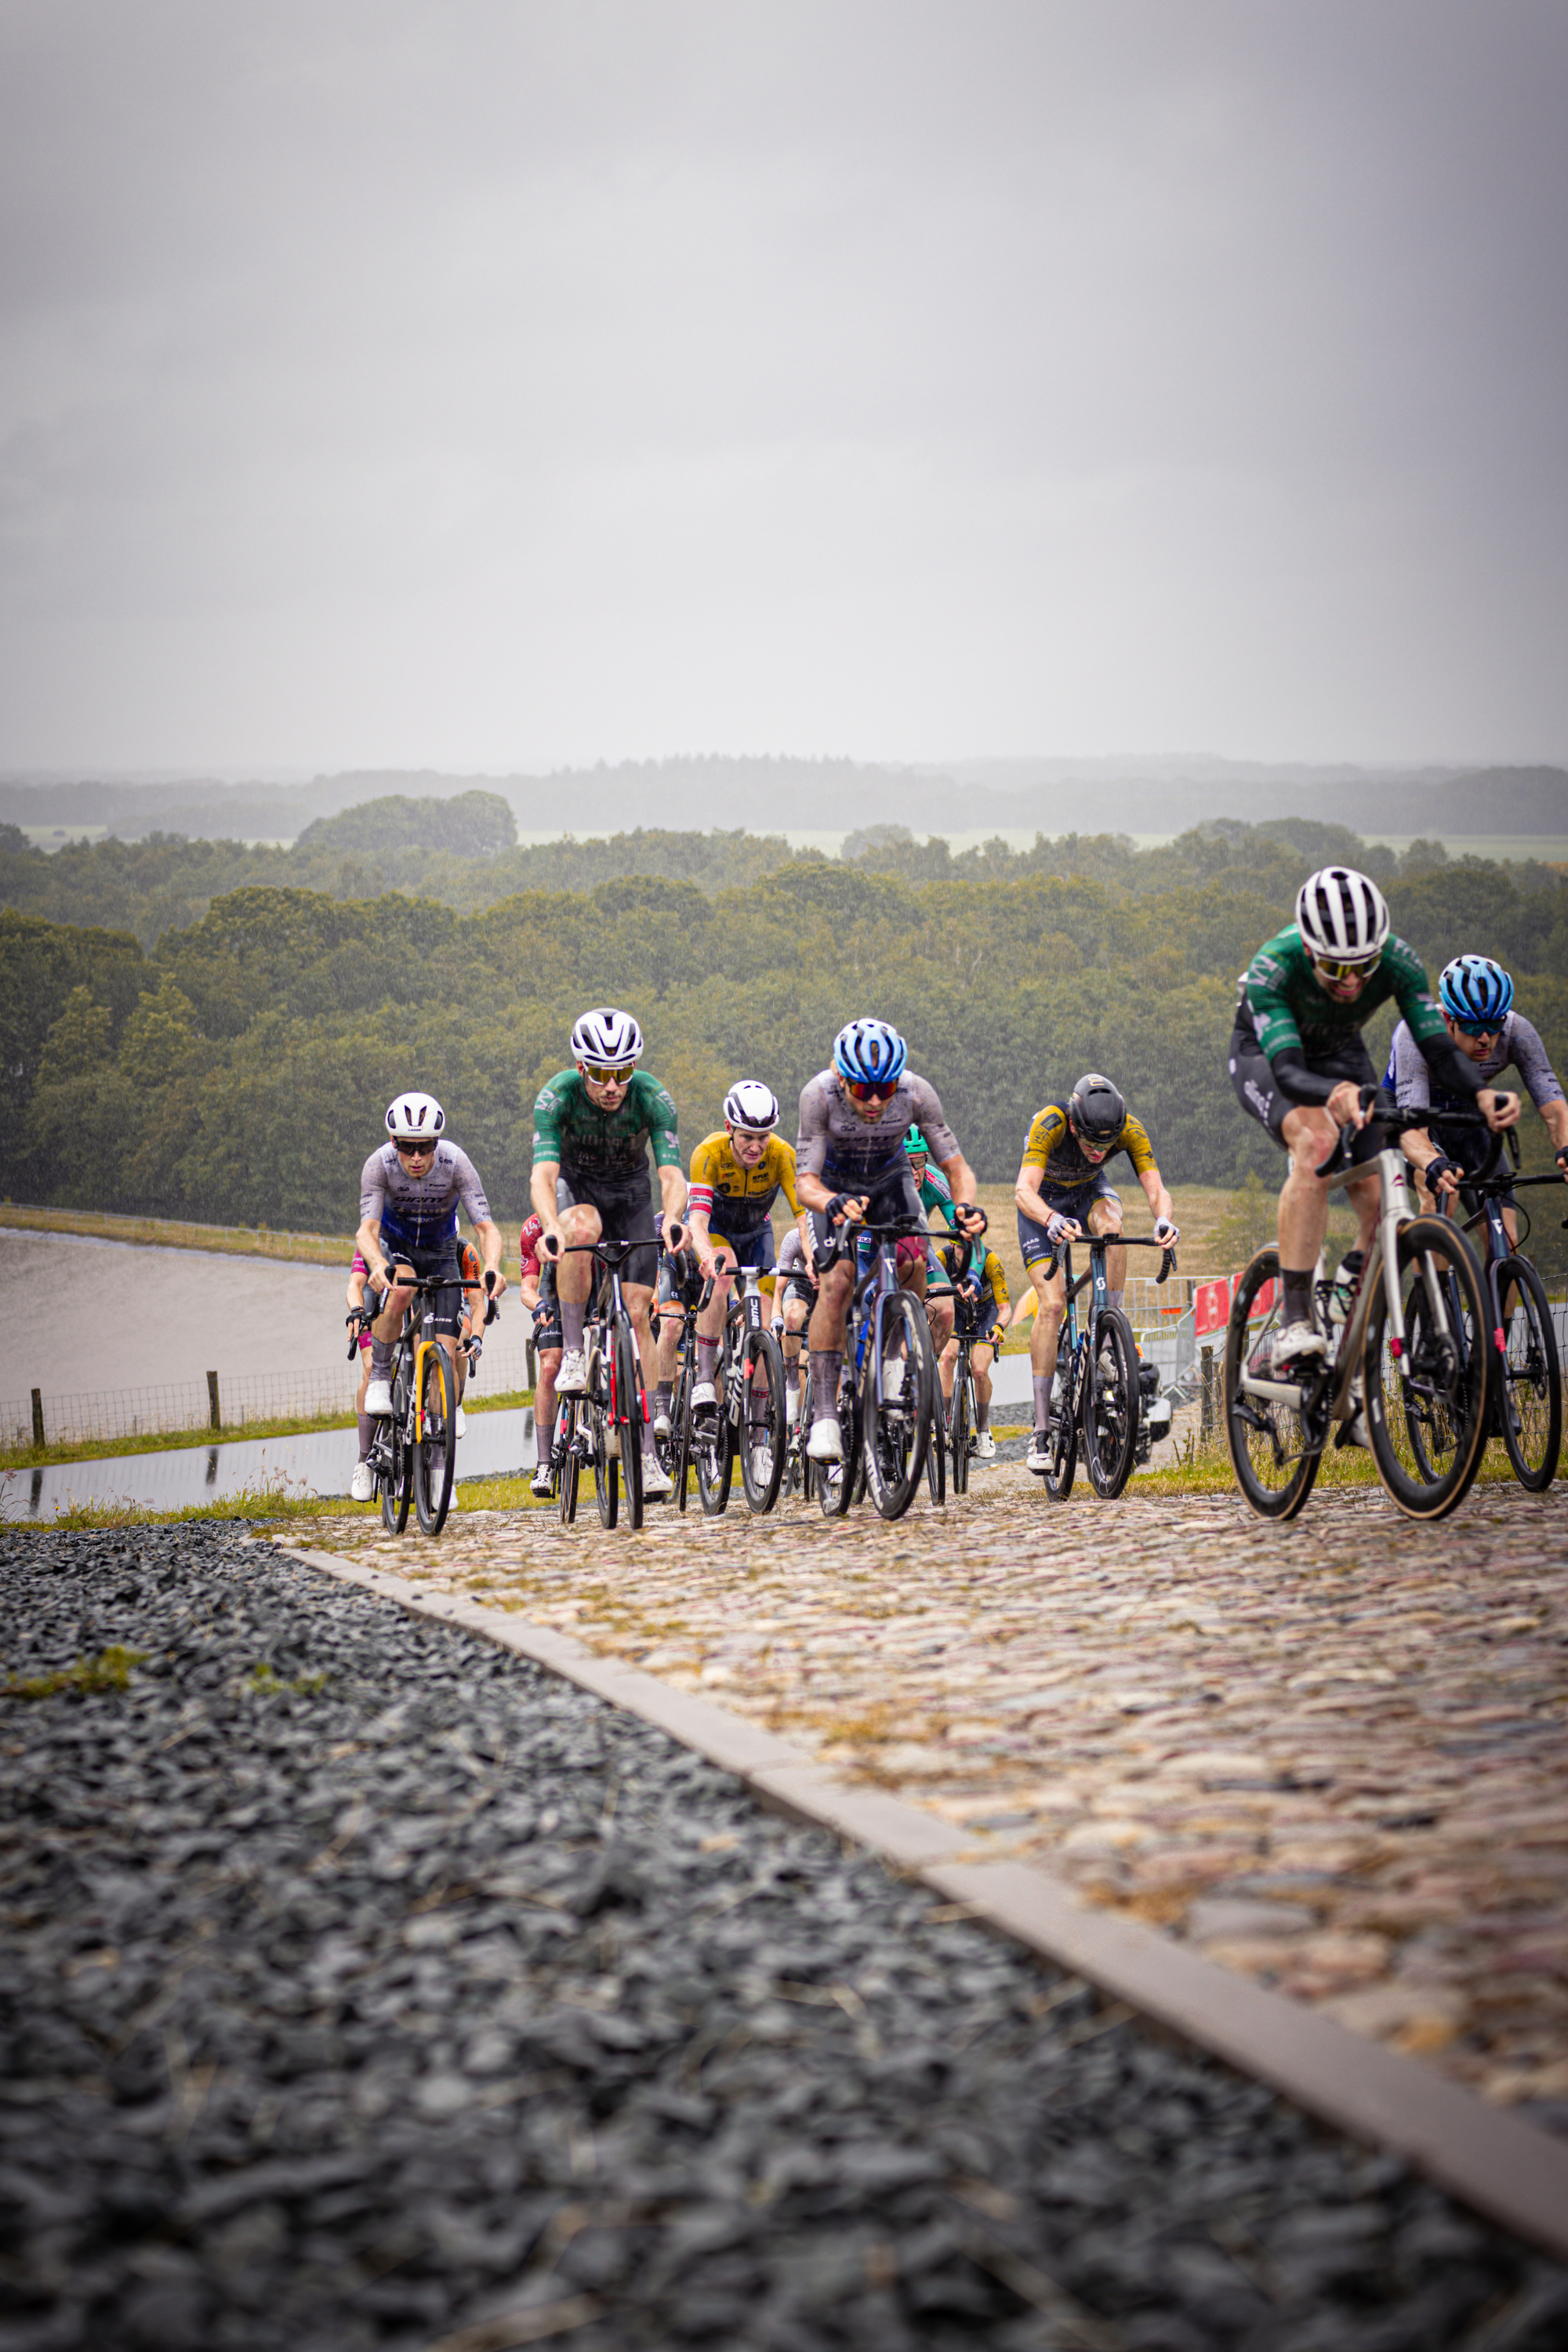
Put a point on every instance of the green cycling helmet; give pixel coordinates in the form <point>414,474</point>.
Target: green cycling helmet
<point>916,1145</point>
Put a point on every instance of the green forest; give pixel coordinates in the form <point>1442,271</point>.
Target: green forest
<point>194,1029</point>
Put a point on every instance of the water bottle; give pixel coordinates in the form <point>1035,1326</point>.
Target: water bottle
<point>1342,1289</point>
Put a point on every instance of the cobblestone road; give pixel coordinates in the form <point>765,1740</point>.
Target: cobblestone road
<point>1335,1757</point>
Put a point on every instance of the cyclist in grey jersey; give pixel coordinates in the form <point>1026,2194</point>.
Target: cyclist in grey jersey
<point>1441,1159</point>
<point>419,1211</point>
<point>409,1192</point>
<point>851,1168</point>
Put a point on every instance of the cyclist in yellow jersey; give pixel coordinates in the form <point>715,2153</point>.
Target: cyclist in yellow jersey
<point>1063,1194</point>
<point>735,1179</point>
<point>981,1313</point>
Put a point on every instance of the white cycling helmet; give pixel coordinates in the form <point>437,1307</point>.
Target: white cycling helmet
<point>1342,917</point>
<point>606,1039</point>
<point>750,1106</point>
<point>414,1118</point>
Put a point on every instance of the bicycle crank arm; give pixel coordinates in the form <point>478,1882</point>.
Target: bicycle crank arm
<point>1272,1392</point>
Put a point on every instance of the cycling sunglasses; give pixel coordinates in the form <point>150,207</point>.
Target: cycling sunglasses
<point>1326,969</point>
<point>1476,1028</point>
<point>872,1089</point>
<point>407,1143</point>
<point>616,1077</point>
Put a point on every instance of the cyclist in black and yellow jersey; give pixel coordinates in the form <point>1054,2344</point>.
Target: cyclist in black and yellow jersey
<point>1063,1194</point>
<point>736,1176</point>
<point>980,1313</point>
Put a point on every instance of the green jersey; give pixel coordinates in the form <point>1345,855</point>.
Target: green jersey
<point>606,1147</point>
<point>1289,1010</point>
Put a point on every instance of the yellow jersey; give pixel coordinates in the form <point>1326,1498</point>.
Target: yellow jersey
<point>1053,1147</point>
<point>736,1201</point>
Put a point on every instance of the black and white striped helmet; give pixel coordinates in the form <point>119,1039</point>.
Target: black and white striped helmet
<point>1341,915</point>
<point>606,1039</point>
<point>752,1107</point>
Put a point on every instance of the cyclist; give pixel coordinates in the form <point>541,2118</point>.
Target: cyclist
<point>537,1287</point>
<point>409,1191</point>
<point>852,1166</point>
<point>1063,1194</point>
<point>362,1486</point>
<point>794,1302</point>
<point>936,1197</point>
<point>983,1306</point>
<point>592,1128</point>
<point>736,1176</point>
<point>1297,1061</point>
<point>1479,1012</point>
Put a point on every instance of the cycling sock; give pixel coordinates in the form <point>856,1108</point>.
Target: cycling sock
<point>366,1433</point>
<point>825,1363</point>
<point>706,1357</point>
<point>1116,1298</point>
<point>574,1314</point>
<point>982,1415</point>
<point>663,1396</point>
<point>380,1358</point>
<point>1298,1289</point>
<point>1041,1383</point>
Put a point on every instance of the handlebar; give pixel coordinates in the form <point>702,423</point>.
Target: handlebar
<point>1385,1113</point>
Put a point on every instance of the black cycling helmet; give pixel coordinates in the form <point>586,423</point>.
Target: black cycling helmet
<point>1096,1111</point>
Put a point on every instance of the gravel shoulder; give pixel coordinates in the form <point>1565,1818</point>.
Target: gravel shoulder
<point>363,1985</point>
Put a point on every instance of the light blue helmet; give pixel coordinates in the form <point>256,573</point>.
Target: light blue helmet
<point>1474,988</point>
<point>870,1053</point>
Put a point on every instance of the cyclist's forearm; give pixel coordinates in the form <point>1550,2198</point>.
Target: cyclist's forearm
<point>961,1176</point>
<point>492,1243</point>
<point>1157,1196</point>
<point>1027,1196</point>
<point>672,1189</point>
<point>1555,1114</point>
<point>813,1194</point>
<point>367,1241</point>
<point>542,1194</point>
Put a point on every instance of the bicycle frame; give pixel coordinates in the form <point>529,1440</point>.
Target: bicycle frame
<point>880,1281</point>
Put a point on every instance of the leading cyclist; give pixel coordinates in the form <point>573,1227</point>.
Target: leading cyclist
<point>1481,1019</point>
<point>592,1128</point>
<point>409,1191</point>
<point>851,1168</point>
<point>1298,1062</point>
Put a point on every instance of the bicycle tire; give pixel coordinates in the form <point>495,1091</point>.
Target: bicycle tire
<point>1529,1379</point>
<point>435,1448</point>
<point>761,1347</point>
<point>962,1421</point>
<point>1110,1406</point>
<point>570,1461</point>
<point>627,1408</point>
<point>1444,1377</point>
<point>897,1431</point>
<point>1274,1465</point>
<point>399,1488</point>
<point>1428,1429</point>
<point>680,1434</point>
<point>837,1481</point>
<point>713,1448</point>
<point>936,1452</point>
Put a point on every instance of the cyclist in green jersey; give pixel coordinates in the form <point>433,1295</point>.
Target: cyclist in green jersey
<point>1297,1063</point>
<point>936,1197</point>
<point>591,1129</point>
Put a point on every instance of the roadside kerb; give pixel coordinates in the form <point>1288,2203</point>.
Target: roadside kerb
<point>1506,2169</point>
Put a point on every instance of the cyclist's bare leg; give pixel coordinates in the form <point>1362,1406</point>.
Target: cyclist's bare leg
<point>582,1225</point>
<point>544,1397</point>
<point>827,1316</point>
<point>711,1322</point>
<point>946,1366</point>
<point>1105,1217</point>
<point>980,1358</point>
<point>1051,1290</point>
<point>671,1326</point>
<point>638,1296</point>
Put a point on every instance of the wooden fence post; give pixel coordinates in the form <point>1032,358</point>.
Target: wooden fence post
<point>38,1419</point>
<point>212,1399</point>
<point>1208,1421</point>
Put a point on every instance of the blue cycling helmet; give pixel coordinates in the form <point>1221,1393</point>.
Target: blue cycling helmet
<point>1474,988</point>
<point>870,1053</point>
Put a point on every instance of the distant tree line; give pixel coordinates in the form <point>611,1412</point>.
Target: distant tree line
<point>235,1066</point>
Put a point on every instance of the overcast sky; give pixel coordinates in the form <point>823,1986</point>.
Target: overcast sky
<point>498,384</point>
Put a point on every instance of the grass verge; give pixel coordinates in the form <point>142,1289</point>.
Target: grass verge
<point>109,1449</point>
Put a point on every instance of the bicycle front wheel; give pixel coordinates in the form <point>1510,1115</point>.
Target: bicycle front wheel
<point>680,1434</point>
<point>1274,1463</point>
<point>837,1482</point>
<point>963,1423</point>
<point>567,1417</point>
<point>936,1452</point>
<point>626,1415</point>
<point>1530,1386</point>
<point>765,1437</point>
<point>1110,1406</point>
<point>897,1408</point>
<point>435,1449</point>
<point>1438,1383</point>
<point>714,1449</point>
<point>397,1482</point>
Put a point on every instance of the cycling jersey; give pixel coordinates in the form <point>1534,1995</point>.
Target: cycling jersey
<point>530,1265</point>
<point>994,1291</point>
<point>1520,1043</point>
<point>936,1192</point>
<point>1055,1149</point>
<point>419,1212</point>
<point>862,1156</point>
<point>1284,1003</point>
<point>595,1147</point>
<point>792,1260</point>
<point>738,1202</point>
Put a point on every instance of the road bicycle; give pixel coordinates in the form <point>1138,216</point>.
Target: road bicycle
<point>675,1451</point>
<point>887,1382</point>
<point>956,1433</point>
<point>1527,1387</point>
<point>604,1426</point>
<point>413,1451</point>
<point>1098,1394</point>
<point>1400,1346</point>
<point>747,1422</point>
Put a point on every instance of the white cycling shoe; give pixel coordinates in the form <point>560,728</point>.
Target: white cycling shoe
<point>1294,1343</point>
<point>362,1485</point>
<point>1353,1430</point>
<point>461,1426</point>
<point>825,1444</point>
<point>704,1397</point>
<point>661,1422</point>
<point>1038,1457</point>
<point>986,1445</point>
<point>656,1482</point>
<point>539,1484</point>
<point>378,1400</point>
<point>571,1380</point>
<point>762,1463</point>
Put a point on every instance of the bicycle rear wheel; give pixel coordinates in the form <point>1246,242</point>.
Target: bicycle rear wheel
<point>1529,1386</point>
<point>766,1435</point>
<point>1441,1383</point>
<point>435,1448</point>
<point>963,1421</point>
<point>398,1482</point>
<point>566,1423</point>
<point>627,1412</point>
<point>1110,1406</point>
<point>1275,1464</point>
<point>896,1410</point>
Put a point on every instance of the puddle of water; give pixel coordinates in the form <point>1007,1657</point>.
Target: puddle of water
<point>320,1462</point>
